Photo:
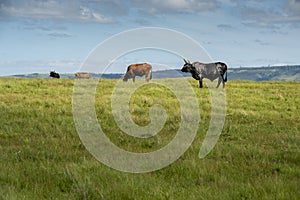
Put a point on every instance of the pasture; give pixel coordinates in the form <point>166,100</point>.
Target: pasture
<point>257,155</point>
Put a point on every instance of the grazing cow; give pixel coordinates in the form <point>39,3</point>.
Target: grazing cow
<point>138,70</point>
<point>83,75</point>
<point>54,74</point>
<point>210,71</point>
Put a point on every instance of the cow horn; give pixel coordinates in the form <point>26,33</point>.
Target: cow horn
<point>185,61</point>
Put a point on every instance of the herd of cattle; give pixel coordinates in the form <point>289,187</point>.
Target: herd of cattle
<point>199,71</point>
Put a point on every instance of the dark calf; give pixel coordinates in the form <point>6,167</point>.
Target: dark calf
<point>53,74</point>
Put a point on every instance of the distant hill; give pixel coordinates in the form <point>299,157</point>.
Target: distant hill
<point>280,73</point>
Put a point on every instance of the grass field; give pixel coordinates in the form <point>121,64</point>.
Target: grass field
<point>257,155</point>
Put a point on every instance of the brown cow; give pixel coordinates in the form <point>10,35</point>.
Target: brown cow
<point>83,75</point>
<point>138,70</point>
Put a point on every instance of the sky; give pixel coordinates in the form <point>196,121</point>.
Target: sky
<point>39,36</point>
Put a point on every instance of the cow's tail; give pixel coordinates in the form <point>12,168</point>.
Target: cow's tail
<point>150,74</point>
<point>225,76</point>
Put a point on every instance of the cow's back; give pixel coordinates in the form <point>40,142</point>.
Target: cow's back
<point>133,67</point>
<point>83,75</point>
<point>143,66</point>
<point>205,69</point>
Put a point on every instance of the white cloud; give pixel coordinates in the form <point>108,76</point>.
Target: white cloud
<point>51,9</point>
<point>294,6</point>
<point>293,11</point>
<point>226,27</point>
<point>59,35</point>
<point>176,6</point>
<point>268,15</point>
<point>260,42</point>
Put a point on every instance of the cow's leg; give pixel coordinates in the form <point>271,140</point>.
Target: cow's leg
<point>220,80</point>
<point>133,78</point>
<point>200,83</point>
<point>148,77</point>
<point>223,81</point>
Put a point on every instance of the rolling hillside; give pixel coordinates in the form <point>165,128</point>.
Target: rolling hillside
<point>283,73</point>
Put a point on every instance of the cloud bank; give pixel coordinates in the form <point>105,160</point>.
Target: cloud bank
<point>50,9</point>
<point>254,13</point>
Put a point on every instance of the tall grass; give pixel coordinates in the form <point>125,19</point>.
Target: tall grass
<point>257,155</point>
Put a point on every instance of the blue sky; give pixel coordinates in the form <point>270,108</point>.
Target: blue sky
<point>39,36</point>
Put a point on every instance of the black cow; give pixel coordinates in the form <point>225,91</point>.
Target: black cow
<point>54,74</point>
<point>210,71</point>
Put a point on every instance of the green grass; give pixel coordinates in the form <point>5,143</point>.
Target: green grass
<point>257,155</point>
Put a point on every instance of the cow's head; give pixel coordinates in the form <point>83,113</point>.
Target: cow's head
<point>125,78</point>
<point>187,67</point>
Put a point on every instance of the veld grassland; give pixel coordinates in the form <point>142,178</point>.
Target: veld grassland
<point>257,155</point>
